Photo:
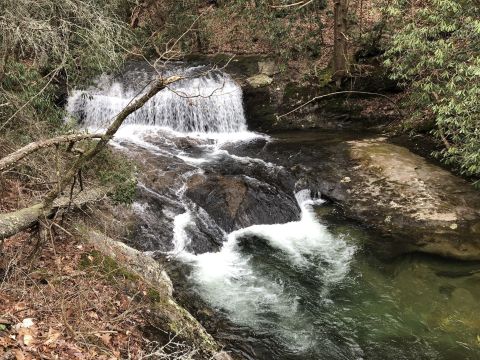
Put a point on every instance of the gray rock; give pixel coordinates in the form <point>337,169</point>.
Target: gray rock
<point>238,201</point>
<point>260,80</point>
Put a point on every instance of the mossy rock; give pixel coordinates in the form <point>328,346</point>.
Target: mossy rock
<point>260,80</point>
<point>174,318</point>
<point>106,265</point>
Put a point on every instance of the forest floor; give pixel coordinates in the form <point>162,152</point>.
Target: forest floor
<point>61,299</point>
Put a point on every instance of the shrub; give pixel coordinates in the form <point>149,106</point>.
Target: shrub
<point>434,51</point>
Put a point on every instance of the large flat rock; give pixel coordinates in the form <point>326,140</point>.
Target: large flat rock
<point>423,206</point>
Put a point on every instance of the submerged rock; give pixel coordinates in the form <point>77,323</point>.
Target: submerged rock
<point>238,201</point>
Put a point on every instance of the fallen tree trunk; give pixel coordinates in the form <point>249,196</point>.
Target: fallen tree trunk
<point>13,222</point>
<point>18,155</point>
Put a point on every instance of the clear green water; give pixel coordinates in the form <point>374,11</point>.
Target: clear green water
<point>322,288</point>
<point>413,307</point>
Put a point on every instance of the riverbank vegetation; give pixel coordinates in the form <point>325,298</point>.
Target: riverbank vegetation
<point>47,48</point>
<point>430,49</point>
<point>434,53</point>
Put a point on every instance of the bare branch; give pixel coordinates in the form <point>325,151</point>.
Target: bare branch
<point>287,5</point>
<point>18,155</point>
<point>340,93</point>
<point>300,5</point>
<point>83,159</point>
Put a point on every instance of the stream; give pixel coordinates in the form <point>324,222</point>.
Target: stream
<point>238,217</point>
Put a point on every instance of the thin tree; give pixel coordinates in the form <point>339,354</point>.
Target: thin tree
<point>340,43</point>
<point>14,222</point>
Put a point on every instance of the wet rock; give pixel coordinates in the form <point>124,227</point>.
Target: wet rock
<point>255,168</point>
<point>238,201</point>
<point>186,142</point>
<point>157,202</point>
<point>420,205</point>
<point>206,235</point>
<point>153,223</point>
<point>414,204</point>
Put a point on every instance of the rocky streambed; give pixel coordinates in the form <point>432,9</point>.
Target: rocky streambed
<point>204,210</point>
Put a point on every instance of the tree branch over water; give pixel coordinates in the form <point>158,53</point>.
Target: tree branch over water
<point>22,219</point>
<point>341,93</point>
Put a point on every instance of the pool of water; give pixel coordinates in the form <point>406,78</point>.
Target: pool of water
<point>316,288</point>
<point>298,304</point>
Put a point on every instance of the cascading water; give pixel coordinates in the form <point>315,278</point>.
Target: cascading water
<point>232,280</point>
<point>209,103</point>
<point>206,101</point>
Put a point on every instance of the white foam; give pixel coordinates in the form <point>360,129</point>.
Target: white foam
<point>228,280</point>
<point>180,236</point>
<point>209,103</point>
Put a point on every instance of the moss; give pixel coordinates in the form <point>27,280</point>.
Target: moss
<point>290,91</point>
<point>106,265</point>
<point>179,321</point>
<point>153,295</point>
<point>324,77</point>
<point>259,109</point>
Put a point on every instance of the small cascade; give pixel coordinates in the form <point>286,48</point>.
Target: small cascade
<point>298,240</point>
<point>206,101</point>
<point>255,294</point>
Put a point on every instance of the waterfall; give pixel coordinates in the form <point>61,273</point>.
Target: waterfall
<point>269,270</point>
<point>206,101</point>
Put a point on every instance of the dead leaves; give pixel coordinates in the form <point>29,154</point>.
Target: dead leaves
<point>55,308</point>
<point>52,338</point>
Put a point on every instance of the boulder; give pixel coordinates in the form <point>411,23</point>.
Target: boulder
<point>420,205</point>
<point>237,201</point>
<point>268,67</point>
<point>260,80</point>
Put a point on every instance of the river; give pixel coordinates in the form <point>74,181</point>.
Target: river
<point>255,242</point>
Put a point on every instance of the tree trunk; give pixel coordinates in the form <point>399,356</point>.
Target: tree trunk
<point>18,155</point>
<point>83,159</point>
<point>340,63</point>
<point>13,222</point>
